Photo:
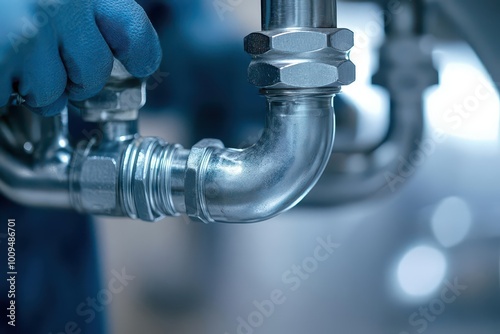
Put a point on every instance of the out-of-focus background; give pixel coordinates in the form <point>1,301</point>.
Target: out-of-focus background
<point>423,258</point>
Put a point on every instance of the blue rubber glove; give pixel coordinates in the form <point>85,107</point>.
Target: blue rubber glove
<point>54,49</point>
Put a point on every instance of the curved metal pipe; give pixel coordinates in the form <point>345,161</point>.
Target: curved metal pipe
<point>43,183</point>
<point>261,181</point>
<point>354,177</point>
<point>211,183</point>
<point>42,187</point>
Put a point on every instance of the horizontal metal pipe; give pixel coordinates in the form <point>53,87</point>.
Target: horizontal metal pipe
<point>229,185</point>
<point>285,14</point>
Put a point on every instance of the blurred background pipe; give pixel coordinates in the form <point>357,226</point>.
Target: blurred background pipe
<point>475,20</point>
<point>406,70</point>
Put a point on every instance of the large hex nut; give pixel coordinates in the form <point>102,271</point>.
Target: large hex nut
<point>301,74</point>
<point>196,207</point>
<point>119,100</point>
<point>300,58</point>
<point>116,102</point>
<point>298,41</point>
<point>97,183</point>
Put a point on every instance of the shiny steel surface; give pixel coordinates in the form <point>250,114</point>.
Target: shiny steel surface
<point>211,183</point>
<point>39,178</point>
<point>94,177</point>
<point>271,176</point>
<point>119,100</point>
<point>145,179</point>
<point>305,58</point>
<point>300,47</point>
<point>285,14</point>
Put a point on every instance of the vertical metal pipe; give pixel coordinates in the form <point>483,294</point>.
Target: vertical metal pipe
<point>284,14</point>
<point>408,22</point>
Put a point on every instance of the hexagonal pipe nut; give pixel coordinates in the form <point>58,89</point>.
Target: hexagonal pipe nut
<point>299,41</point>
<point>341,39</point>
<point>301,74</point>
<point>98,179</point>
<point>115,102</point>
<point>347,72</point>
<point>197,165</point>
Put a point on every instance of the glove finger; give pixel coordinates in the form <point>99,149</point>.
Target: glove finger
<point>86,56</point>
<point>43,79</point>
<point>54,108</point>
<point>130,35</point>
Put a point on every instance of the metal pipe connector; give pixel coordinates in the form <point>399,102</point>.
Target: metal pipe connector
<point>120,173</point>
<point>211,183</point>
<point>259,182</point>
<point>149,179</point>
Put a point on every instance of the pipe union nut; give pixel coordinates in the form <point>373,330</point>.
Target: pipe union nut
<point>120,102</point>
<point>300,58</point>
<point>301,74</point>
<point>298,41</point>
<point>98,179</point>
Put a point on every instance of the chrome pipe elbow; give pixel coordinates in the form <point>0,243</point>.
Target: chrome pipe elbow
<point>261,181</point>
<point>43,186</point>
<point>39,175</point>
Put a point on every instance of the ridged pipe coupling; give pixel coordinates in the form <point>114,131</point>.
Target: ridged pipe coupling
<point>145,179</point>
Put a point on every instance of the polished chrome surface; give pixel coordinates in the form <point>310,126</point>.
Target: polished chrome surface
<point>38,177</point>
<point>145,179</point>
<point>305,58</point>
<point>285,14</point>
<point>119,100</point>
<point>94,176</point>
<point>119,130</point>
<point>271,176</point>
<point>211,183</point>
<point>300,47</point>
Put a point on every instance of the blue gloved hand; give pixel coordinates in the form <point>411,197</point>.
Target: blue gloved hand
<point>54,49</point>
